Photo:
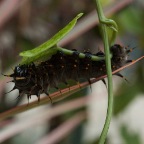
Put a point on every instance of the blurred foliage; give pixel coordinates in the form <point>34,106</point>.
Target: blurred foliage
<point>126,94</point>
<point>129,137</point>
<point>130,24</point>
<point>130,20</point>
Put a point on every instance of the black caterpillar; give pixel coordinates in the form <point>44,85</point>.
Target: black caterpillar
<point>35,79</point>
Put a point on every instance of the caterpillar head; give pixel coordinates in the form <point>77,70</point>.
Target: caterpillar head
<point>21,75</point>
<point>20,71</point>
<point>119,55</point>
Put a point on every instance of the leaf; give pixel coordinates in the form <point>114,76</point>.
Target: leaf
<point>49,47</point>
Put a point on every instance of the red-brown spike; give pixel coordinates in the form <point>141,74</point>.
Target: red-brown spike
<point>120,75</point>
<point>10,81</point>
<point>130,50</point>
<point>11,75</point>
<point>103,80</point>
<point>129,61</point>
<point>11,90</point>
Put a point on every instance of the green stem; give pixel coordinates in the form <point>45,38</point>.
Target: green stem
<point>109,73</point>
<point>108,22</point>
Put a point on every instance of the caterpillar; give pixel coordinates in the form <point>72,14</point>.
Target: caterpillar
<point>35,79</point>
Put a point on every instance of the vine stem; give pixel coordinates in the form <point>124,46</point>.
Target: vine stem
<point>109,72</point>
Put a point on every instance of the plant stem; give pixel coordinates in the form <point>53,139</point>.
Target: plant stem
<point>109,73</point>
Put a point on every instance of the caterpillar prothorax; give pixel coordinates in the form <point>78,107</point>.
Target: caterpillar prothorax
<point>35,79</point>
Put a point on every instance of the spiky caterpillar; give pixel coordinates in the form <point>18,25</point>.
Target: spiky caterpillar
<point>35,79</point>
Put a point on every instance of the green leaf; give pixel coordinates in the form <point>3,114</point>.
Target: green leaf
<point>49,47</point>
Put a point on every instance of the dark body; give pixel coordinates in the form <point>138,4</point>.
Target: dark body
<point>37,79</point>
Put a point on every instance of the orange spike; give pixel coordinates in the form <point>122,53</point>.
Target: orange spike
<point>130,50</point>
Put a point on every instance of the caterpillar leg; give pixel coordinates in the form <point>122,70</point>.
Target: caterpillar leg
<point>36,90</point>
<point>38,96</point>
<point>28,97</point>
<point>58,89</point>
<point>67,85</point>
